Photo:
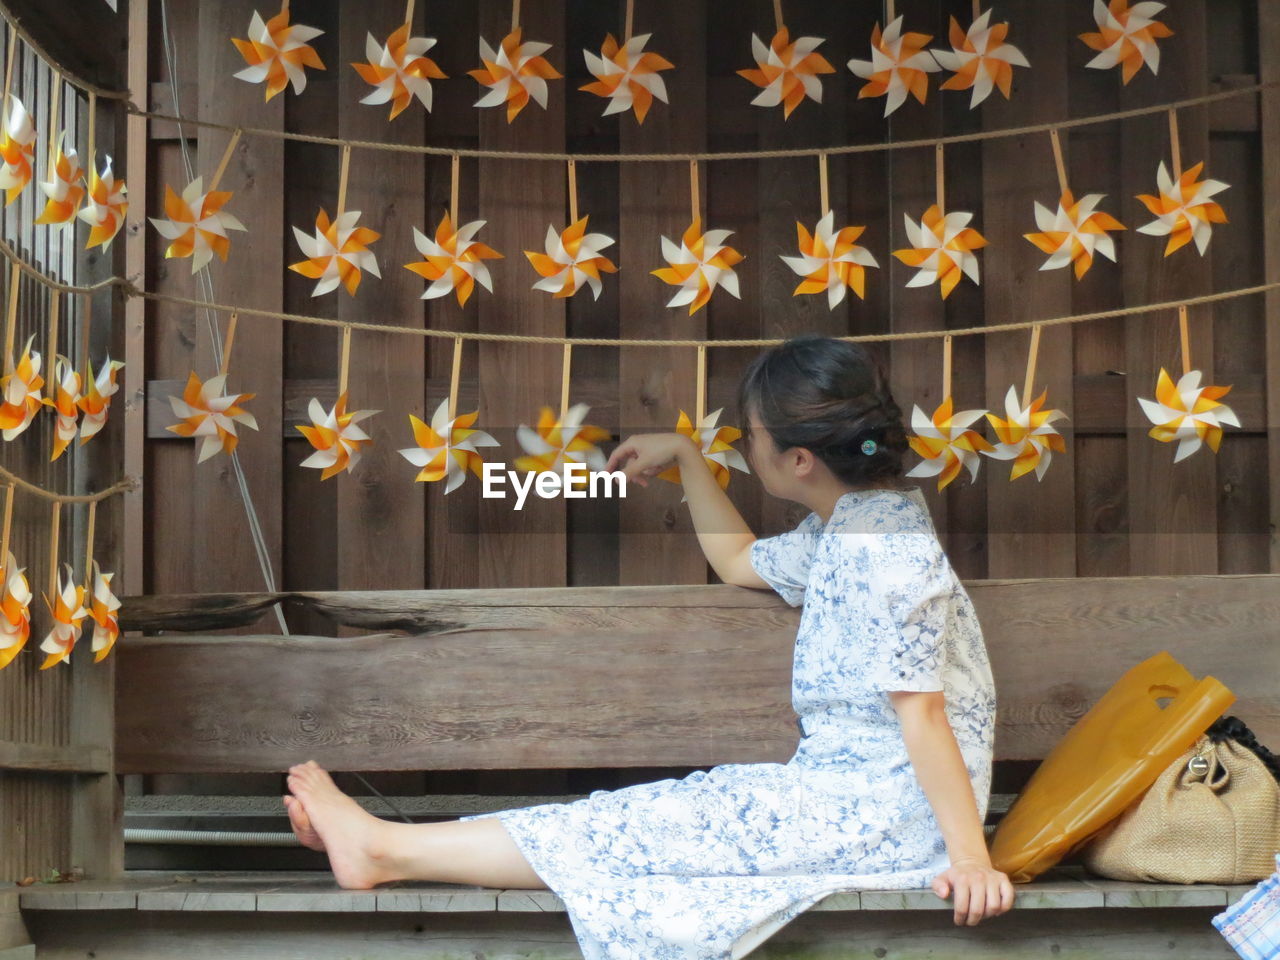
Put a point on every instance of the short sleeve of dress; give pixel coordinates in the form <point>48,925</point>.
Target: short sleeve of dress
<point>783,561</point>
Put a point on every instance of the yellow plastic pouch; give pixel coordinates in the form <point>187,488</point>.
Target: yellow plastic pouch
<point>1105,762</point>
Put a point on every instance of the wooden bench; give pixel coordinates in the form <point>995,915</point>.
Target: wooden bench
<point>610,677</point>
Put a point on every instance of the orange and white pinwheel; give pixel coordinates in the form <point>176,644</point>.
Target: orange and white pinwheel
<point>277,51</point>
<point>1183,209</point>
<point>210,416</point>
<point>17,150</point>
<point>942,249</point>
<point>338,253</point>
<point>557,444</point>
<point>572,259</point>
<point>1075,233</point>
<point>946,443</point>
<point>196,223</point>
<point>787,70</point>
<point>334,435</point>
<point>453,260</point>
<point>627,76</point>
<point>701,263</point>
<point>399,71</point>
<point>715,444</point>
<point>513,73</point>
<point>66,188</point>
<point>830,261</point>
<point>1026,437</point>
<point>104,609</point>
<point>899,65</point>
<point>65,400</point>
<point>104,207</point>
<point>980,59</point>
<point>68,615</point>
<point>1188,413</point>
<point>1127,36</point>
<point>96,401</point>
<point>21,391</point>
<point>15,612</point>
<point>446,449</point>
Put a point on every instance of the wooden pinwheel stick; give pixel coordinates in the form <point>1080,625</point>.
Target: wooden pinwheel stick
<point>88,547</point>
<point>8,528</point>
<point>939,174</point>
<point>824,196</point>
<point>888,12</point>
<point>564,381</point>
<point>86,325</point>
<point>1031,366</point>
<point>701,408</point>
<point>573,192</point>
<point>226,159</point>
<point>454,376</point>
<point>408,12</point>
<point>344,362</point>
<point>977,9</point>
<point>53,550</point>
<point>515,14</point>
<point>93,128</point>
<point>694,203</point>
<point>1174,148</point>
<point>777,14</point>
<point>946,367</point>
<point>1186,338</point>
<point>8,69</point>
<point>453,191</point>
<point>52,369</point>
<point>1057,160</point>
<point>11,319</point>
<point>56,81</point>
<point>631,17</point>
<point>342,178</point>
<point>226,344</point>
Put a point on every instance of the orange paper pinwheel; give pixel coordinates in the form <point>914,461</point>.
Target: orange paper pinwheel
<point>1026,437</point>
<point>627,76</point>
<point>514,73</point>
<point>68,613</point>
<point>787,70</point>
<point>399,71</point>
<point>196,223</point>
<point>104,208</point>
<point>277,51</point>
<point>946,443</point>
<point>211,416</point>
<point>830,261</point>
<point>65,401</point>
<point>96,401</point>
<point>17,150</point>
<point>1075,233</point>
<point>453,260</point>
<point>899,65</point>
<point>701,263</point>
<point>104,610</point>
<point>572,259</point>
<point>446,449</point>
<point>1188,413</point>
<point>65,189</point>
<point>556,444</point>
<point>1183,209</point>
<point>942,248</point>
<point>21,391</point>
<point>716,446</point>
<point>980,59</point>
<point>338,253</point>
<point>334,435</point>
<point>1127,36</point>
<point>15,612</point>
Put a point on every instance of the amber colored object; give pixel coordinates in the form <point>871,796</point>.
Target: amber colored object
<point>1105,763</point>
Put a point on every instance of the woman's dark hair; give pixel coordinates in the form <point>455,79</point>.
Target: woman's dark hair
<point>828,396</point>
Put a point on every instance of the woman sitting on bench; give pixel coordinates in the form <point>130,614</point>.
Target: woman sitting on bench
<point>888,787</point>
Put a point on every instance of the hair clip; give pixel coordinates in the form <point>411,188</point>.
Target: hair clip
<point>868,447</point>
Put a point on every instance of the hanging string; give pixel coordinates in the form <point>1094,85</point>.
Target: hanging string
<point>1031,366</point>
<point>515,15</point>
<point>1057,161</point>
<point>227,342</point>
<point>453,192</point>
<point>226,158</point>
<point>11,320</point>
<point>701,406</point>
<point>573,193</point>
<point>454,377</point>
<point>823,196</point>
<point>344,362</point>
<point>4,538</point>
<point>631,13</point>
<point>777,14</point>
<point>946,367</point>
<point>1186,340</point>
<point>56,80</point>
<point>564,381</point>
<point>1174,147</point>
<point>694,204</point>
<point>342,180</point>
<point>88,548</point>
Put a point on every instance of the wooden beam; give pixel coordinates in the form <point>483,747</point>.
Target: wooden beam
<point>1269,58</point>
<point>85,38</point>
<point>43,758</point>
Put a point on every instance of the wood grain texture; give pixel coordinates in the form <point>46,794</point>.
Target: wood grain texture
<point>1269,64</point>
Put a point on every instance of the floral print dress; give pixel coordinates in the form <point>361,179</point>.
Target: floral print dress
<point>711,865</point>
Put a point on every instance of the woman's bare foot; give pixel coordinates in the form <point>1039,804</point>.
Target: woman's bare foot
<point>354,839</point>
<point>301,823</point>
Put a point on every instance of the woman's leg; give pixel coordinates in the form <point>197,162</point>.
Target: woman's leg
<point>365,851</point>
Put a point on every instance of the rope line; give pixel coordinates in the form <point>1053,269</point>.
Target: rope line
<point>123,485</point>
<point>67,75</point>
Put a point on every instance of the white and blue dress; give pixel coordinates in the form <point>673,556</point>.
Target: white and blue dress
<point>711,865</point>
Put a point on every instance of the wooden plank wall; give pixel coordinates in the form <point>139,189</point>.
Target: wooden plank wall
<point>1113,506</point>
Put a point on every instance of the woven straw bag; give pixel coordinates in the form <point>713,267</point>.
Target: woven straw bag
<point>1213,816</point>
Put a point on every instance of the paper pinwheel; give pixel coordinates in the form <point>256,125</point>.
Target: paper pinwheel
<point>514,73</point>
<point>21,394</point>
<point>572,259</point>
<point>1075,233</point>
<point>942,248</point>
<point>104,208</point>
<point>211,416</point>
<point>337,254</point>
<point>555,443</point>
<point>1026,437</point>
<point>897,66</point>
<point>1188,413</point>
<point>627,76</point>
<point>96,401</point>
<point>68,614</point>
<point>335,436</point>
<point>1183,209</point>
<point>66,189</point>
<point>946,443</point>
<point>196,223</point>
<point>446,449</point>
<point>277,51</point>
<point>103,610</point>
<point>15,613</point>
<point>398,71</point>
<point>787,70</point>
<point>453,260</point>
<point>17,149</point>
<point>65,401</point>
<point>830,261</point>
<point>701,263</point>
<point>1127,36</point>
<point>980,59</point>
<point>714,442</point>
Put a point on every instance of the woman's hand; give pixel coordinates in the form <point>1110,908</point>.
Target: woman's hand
<point>980,890</point>
<point>647,455</point>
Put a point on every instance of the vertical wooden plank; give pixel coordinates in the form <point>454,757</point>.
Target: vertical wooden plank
<point>1269,72</point>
